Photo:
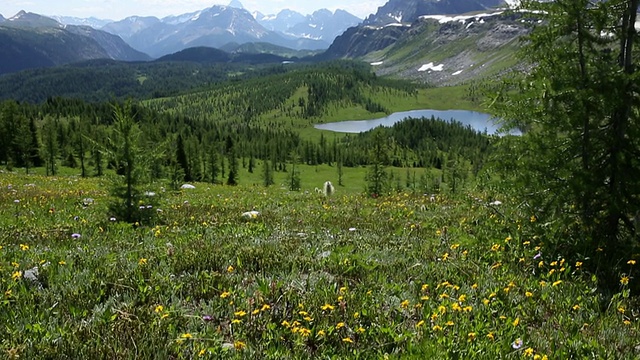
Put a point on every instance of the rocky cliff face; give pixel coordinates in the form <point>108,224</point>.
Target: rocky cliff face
<point>408,11</point>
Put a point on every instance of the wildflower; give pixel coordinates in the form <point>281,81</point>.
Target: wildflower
<point>425,287</point>
<point>516,322</point>
<point>326,307</point>
<point>340,325</point>
<point>624,280</point>
<point>631,262</point>
<point>537,256</point>
<point>436,328</point>
<point>164,316</point>
<point>202,352</point>
<point>507,239</point>
<point>528,352</point>
<point>621,310</point>
<point>495,247</point>
<point>528,294</point>
<point>578,264</point>
<point>347,340</point>
<point>286,324</point>
<point>343,290</point>
<point>255,312</point>
<point>455,246</point>
<point>533,218</point>
<point>186,336</point>
<point>240,313</point>
<point>485,301</point>
<point>449,323</point>
<point>556,283</point>
<point>442,309</point>
<point>471,336</point>
<point>576,307</point>
<point>16,275</point>
<point>159,309</point>
<point>474,286</point>
<point>462,298</point>
<point>404,304</point>
<point>305,332</point>
<point>361,330</point>
<point>225,294</point>
<point>239,345</point>
<point>142,261</point>
<point>230,269</point>
<point>627,322</point>
<point>24,247</point>
<point>236,321</point>
<point>265,307</point>
<point>356,315</point>
<point>543,283</point>
<point>207,318</point>
<point>467,308</point>
<point>517,344</point>
<point>321,333</point>
<point>420,323</point>
<point>76,236</point>
<point>112,219</point>
<point>62,262</point>
<point>490,336</point>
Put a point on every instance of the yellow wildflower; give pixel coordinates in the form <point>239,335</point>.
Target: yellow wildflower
<point>631,262</point>
<point>556,283</point>
<point>528,352</point>
<point>326,307</point>
<point>624,280</point>
<point>186,336</point>
<point>340,325</point>
<point>239,345</point>
<point>347,340</point>
<point>159,308</point>
<point>404,304</point>
<point>16,275</point>
<point>420,323</point>
<point>225,294</point>
<point>142,261</point>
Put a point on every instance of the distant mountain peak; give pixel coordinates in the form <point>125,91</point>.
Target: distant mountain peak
<point>236,4</point>
<point>28,19</point>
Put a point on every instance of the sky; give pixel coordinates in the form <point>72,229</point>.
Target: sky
<point>119,9</point>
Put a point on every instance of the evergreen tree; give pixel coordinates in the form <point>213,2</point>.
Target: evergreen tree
<point>267,173</point>
<point>50,145</point>
<point>128,155</point>
<point>376,177</point>
<point>181,158</point>
<point>232,179</point>
<point>294,176</point>
<point>578,162</point>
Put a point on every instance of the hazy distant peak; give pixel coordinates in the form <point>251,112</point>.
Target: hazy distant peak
<point>1,18</point>
<point>236,4</point>
<point>29,19</point>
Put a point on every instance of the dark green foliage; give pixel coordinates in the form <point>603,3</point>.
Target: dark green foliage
<point>125,151</point>
<point>577,167</point>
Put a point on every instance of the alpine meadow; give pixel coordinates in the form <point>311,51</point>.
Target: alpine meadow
<point>188,208</point>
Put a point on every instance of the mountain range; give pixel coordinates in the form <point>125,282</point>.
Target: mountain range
<point>219,25</point>
<point>29,40</point>
<point>402,38</point>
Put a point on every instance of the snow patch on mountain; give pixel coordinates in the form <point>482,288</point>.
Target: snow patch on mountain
<point>431,67</point>
<point>461,18</point>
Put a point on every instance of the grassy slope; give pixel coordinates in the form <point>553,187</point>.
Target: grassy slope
<point>311,277</point>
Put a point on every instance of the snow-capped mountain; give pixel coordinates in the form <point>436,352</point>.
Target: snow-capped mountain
<point>92,21</point>
<point>214,27</point>
<point>32,20</point>
<point>321,25</point>
<point>408,11</point>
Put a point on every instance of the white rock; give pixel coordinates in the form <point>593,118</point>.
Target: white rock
<point>187,186</point>
<point>250,215</point>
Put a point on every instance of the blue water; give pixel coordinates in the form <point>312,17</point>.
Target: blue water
<point>479,121</point>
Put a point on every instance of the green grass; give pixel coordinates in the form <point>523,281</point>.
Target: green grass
<point>310,277</point>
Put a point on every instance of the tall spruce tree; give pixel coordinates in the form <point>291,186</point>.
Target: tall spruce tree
<point>578,164</point>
